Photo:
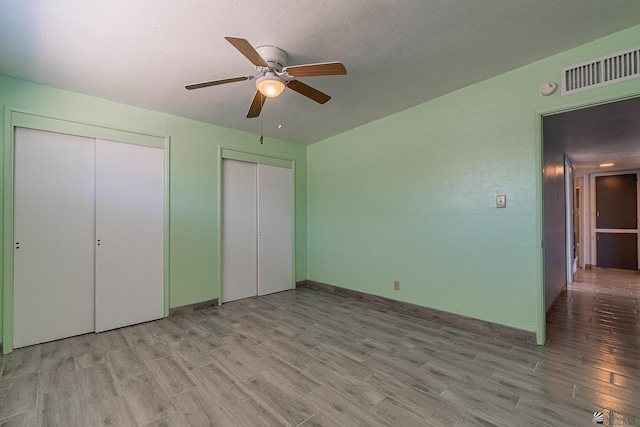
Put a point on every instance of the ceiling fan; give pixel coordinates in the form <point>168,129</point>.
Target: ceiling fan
<point>274,75</point>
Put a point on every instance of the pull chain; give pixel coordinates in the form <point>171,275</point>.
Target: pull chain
<point>261,136</point>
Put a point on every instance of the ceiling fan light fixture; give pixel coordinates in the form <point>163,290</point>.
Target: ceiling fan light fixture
<point>270,85</point>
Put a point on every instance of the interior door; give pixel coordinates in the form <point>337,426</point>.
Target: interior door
<point>275,269</point>
<point>54,236</point>
<point>129,234</point>
<point>617,221</point>
<point>239,230</point>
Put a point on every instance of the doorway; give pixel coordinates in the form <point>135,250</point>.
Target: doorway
<point>591,138</point>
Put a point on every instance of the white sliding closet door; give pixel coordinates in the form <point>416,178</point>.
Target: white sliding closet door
<point>239,228</point>
<point>275,269</point>
<point>256,230</point>
<point>54,236</point>
<point>129,234</point>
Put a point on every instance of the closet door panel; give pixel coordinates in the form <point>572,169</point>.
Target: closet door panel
<point>275,270</point>
<point>129,234</point>
<point>239,240</point>
<point>54,236</point>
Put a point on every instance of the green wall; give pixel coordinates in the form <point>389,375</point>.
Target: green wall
<point>193,239</point>
<point>411,197</point>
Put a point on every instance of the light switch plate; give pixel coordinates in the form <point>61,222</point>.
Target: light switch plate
<point>501,201</point>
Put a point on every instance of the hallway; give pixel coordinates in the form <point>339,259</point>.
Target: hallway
<point>597,327</point>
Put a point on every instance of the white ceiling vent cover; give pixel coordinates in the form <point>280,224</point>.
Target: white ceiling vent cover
<point>601,71</point>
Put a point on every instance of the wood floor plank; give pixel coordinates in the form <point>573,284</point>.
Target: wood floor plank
<point>22,361</point>
<point>299,381</point>
<point>344,365</point>
<point>113,412</point>
<point>221,384</point>
<point>343,410</point>
<point>58,373</point>
<point>495,417</point>
<point>400,370</point>
<point>25,419</point>
<point>258,333</point>
<point>296,357</point>
<point>239,364</point>
<point>521,384</point>
<point>62,408</point>
<point>453,372</point>
<point>150,347</point>
<point>345,346</point>
<point>244,345</point>
<point>320,420</point>
<point>397,414</point>
<point>97,384</point>
<point>556,412</point>
<point>171,420</point>
<point>291,333</point>
<point>480,395</point>
<point>57,349</point>
<point>199,408</point>
<point>609,396</point>
<point>127,363</point>
<point>255,414</point>
<point>214,325</point>
<point>357,391</point>
<point>191,329</point>
<point>18,394</point>
<point>134,333</point>
<point>146,398</point>
<point>114,340</point>
<point>428,404</point>
<point>280,397</point>
<point>185,350</point>
<point>172,375</point>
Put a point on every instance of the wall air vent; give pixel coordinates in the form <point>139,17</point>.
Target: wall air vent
<point>601,71</point>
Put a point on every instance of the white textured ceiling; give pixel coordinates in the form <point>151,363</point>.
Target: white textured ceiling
<point>398,53</point>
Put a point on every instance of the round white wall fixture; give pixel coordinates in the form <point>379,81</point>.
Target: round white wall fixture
<point>548,88</point>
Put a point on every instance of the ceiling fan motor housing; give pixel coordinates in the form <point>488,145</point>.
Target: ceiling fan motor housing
<point>274,75</point>
<point>275,57</point>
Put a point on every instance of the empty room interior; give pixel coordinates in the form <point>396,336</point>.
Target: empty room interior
<point>365,213</point>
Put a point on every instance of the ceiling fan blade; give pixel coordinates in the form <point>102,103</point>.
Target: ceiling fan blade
<point>308,91</point>
<point>320,69</point>
<point>248,51</point>
<point>256,105</point>
<point>217,82</point>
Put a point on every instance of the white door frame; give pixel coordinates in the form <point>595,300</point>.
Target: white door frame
<point>568,208</point>
<point>254,157</point>
<point>580,219</point>
<point>18,117</point>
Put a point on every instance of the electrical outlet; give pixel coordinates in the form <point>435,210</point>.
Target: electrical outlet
<point>501,201</point>
<point>396,285</point>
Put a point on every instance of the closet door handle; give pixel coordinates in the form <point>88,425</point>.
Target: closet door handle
<point>98,242</point>
<point>17,245</point>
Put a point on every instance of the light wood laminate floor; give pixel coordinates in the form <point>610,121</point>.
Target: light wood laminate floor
<point>310,358</point>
